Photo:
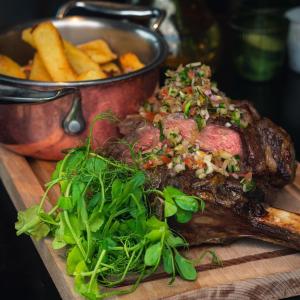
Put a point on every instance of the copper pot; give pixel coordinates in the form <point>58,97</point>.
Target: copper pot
<point>40,119</point>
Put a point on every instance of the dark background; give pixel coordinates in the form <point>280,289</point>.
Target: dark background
<point>22,274</point>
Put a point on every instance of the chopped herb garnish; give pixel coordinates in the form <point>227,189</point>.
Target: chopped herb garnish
<point>236,117</point>
<point>201,123</point>
<point>248,185</point>
<point>173,92</point>
<point>184,77</point>
<point>187,108</point>
<point>200,73</point>
<point>161,131</point>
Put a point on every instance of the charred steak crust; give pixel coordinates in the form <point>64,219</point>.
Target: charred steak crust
<point>279,152</point>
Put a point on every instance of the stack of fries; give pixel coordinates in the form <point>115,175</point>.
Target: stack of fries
<point>57,60</point>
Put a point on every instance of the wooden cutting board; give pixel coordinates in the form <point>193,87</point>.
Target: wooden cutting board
<point>251,269</point>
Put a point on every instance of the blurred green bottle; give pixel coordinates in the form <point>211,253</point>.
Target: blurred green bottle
<point>190,30</point>
<point>259,38</point>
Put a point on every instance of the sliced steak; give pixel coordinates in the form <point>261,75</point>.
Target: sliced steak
<point>235,161</point>
<point>215,138</point>
<point>187,127</point>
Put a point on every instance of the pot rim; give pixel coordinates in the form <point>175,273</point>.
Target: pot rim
<point>131,26</point>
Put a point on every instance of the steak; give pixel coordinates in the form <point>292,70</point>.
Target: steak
<point>217,149</point>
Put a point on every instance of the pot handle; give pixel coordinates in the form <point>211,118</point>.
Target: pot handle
<point>73,122</point>
<point>20,95</point>
<point>115,9</point>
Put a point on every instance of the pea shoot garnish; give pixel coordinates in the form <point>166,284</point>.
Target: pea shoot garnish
<point>104,221</point>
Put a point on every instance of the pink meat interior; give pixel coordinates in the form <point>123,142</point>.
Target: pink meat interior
<point>211,138</point>
<point>216,138</point>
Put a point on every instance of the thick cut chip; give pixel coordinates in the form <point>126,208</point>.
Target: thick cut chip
<point>27,37</point>
<point>79,60</point>
<point>50,47</point>
<point>111,69</point>
<point>9,67</point>
<point>38,70</point>
<point>130,62</point>
<point>91,75</point>
<point>98,51</point>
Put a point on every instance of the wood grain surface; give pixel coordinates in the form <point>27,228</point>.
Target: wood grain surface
<point>251,269</point>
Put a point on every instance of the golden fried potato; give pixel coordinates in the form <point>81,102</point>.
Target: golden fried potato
<point>50,47</point>
<point>9,67</point>
<point>27,37</point>
<point>79,60</point>
<point>60,60</point>
<point>111,69</point>
<point>91,75</point>
<point>130,62</point>
<point>98,51</point>
<point>38,70</point>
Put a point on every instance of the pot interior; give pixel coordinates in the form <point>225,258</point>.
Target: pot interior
<point>121,36</point>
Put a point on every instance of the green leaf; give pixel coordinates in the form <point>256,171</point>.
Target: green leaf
<point>57,244</point>
<point>168,261</point>
<point>77,190</point>
<point>94,201</point>
<point>55,174</point>
<point>114,227</point>
<point>137,208</point>
<point>65,202</point>
<point>172,191</point>
<point>96,220</point>
<point>153,254</point>
<point>82,285</point>
<point>170,206</point>
<point>63,186</point>
<point>187,203</point>
<point>82,210</point>
<point>176,241</point>
<point>155,223</point>
<point>44,217</point>
<point>73,161</point>
<point>183,216</point>
<point>73,258</point>
<point>116,188</point>
<point>155,234</point>
<point>137,180</point>
<point>67,235</point>
<point>58,241</point>
<point>108,243</point>
<point>30,223</point>
<point>185,268</point>
<point>95,165</point>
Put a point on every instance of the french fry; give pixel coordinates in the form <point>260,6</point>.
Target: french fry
<point>27,37</point>
<point>59,60</point>
<point>111,68</point>
<point>79,60</point>
<point>98,51</point>
<point>9,67</point>
<point>51,50</point>
<point>91,75</point>
<point>130,62</point>
<point>38,70</point>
